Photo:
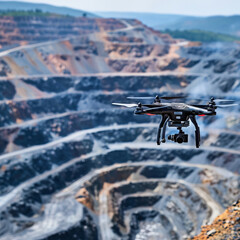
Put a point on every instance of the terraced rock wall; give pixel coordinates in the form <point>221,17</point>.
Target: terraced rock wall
<point>28,29</point>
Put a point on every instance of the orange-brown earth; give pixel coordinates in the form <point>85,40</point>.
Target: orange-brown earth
<point>94,46</point>
<point>226,226</point>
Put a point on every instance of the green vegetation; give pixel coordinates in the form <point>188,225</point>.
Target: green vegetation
<point>201,36</point>
<point>45,8</point>
<point>36,12</point>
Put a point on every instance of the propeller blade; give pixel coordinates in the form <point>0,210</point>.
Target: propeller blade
<point>168,98</point>
<point>126,105</point>
<point>140,98</point>
<point>152,98</point>
<point>223,100</point>
<point>215,100</point>
<point>227,105</point>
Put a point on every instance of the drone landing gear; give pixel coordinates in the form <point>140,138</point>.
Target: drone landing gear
<point>163,125</point>
<point>181,136</point>
<point>197,130</point>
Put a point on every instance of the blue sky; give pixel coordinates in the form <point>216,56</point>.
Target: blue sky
<point>187,7</point>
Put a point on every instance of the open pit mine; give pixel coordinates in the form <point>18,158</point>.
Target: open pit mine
<point>72,166</point>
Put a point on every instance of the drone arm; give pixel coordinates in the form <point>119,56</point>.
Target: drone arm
<point>164,130</point>
<point>164,118</point>
<point>197,131</point>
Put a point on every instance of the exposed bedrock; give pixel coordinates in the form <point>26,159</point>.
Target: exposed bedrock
<point>151,220</point>
<point>33,195</point>
<point>108,83</point>
<point>7,90</point>
<point>39,121</point>
<point>173,199</point>
<point>4,68</point>
<point>53,128</point>
<point>227,139</point>
<point>31,28</point>
<point>62,148</point>
<point>85,229</point>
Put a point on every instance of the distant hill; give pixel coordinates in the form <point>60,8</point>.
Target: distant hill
<point>150,19</point>
<point>202,36</point>
<point>218,24</point>
<point>24,6</point>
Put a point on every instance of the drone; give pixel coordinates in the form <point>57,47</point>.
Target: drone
<point>176,115</point>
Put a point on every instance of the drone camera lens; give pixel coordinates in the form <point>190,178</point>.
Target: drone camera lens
<point>179,139</point>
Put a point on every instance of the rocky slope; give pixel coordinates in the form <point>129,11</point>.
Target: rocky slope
<point>225,226</point>
<point>74,167</point>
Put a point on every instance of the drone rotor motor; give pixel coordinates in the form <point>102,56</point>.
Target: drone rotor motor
<point>139,107</point>
<point>157,99</point>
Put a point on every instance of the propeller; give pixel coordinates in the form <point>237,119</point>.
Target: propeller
<point>212,100</point>
<point>217,100</point>
<point>224,101</point>
<point>227,105</point>
<point>131,105</point>
<point>157,97</point>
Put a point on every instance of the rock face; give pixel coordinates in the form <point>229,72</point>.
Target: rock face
<point>72,166</point>
<point>20,30</point>
<point>226,226</point>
